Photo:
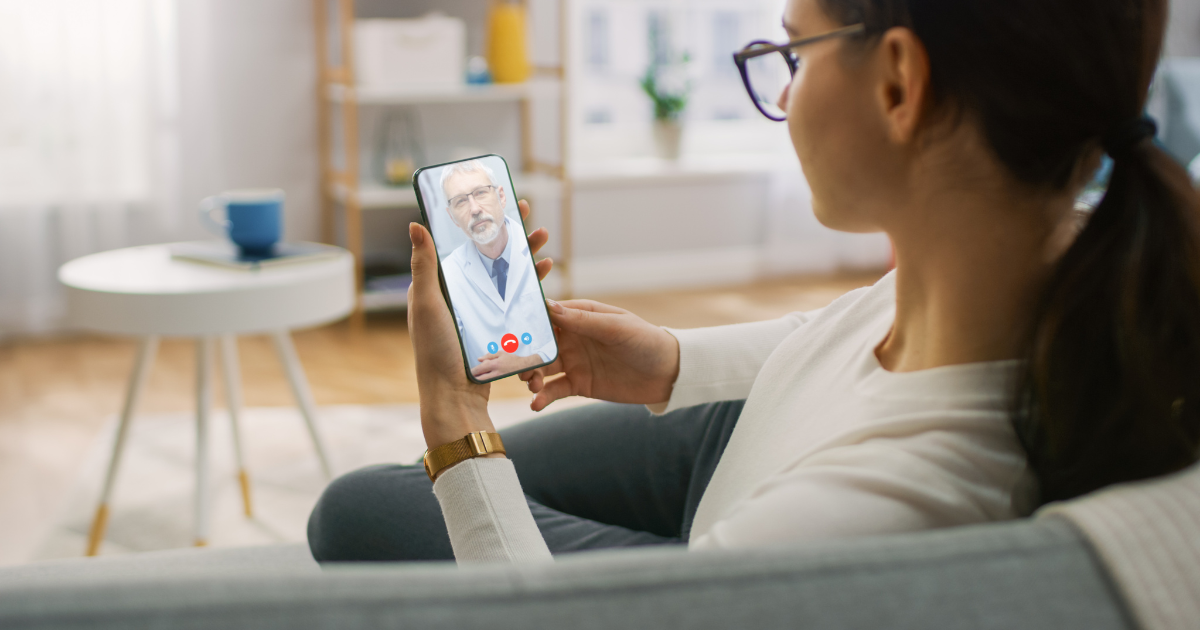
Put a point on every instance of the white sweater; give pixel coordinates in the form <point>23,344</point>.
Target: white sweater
<point>1148,535</point>
<point>828,445</point>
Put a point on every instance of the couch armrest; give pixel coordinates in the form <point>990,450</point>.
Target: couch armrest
<point>1027,574</point>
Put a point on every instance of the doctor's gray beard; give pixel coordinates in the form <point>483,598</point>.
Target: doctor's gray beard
<point>486,236</point>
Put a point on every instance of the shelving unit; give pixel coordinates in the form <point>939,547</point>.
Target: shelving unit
<point>490,93</point>
<point>342,187</point>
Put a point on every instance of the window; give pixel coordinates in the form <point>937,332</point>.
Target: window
<point>79,82</point>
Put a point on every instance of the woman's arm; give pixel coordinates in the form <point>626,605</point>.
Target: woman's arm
<point>608,353</point>
<point>721,363</point>
<point>486,514</point>
<point>481,499</point>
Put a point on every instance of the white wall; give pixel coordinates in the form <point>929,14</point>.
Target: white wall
<point>248,109</point>
<point>1183,31</point>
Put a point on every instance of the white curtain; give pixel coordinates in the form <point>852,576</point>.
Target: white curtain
<point>88,141</point>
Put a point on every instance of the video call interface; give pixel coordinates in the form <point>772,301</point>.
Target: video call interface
<point>493,286</point>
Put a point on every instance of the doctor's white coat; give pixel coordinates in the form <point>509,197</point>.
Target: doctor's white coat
<point>483,316</point>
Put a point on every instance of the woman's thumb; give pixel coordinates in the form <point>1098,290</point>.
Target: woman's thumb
<point>580,321</point>
<point>424,260</point>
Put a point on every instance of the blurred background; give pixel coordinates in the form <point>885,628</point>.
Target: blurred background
<point>625,123</point>
<point>119,115</point>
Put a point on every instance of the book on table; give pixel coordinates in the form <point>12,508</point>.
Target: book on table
<point>226,254</point>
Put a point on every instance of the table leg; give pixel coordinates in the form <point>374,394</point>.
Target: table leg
<point>137,381</point>
<point>304,399</point>
<point>233,402</point>
<point>204,352</point>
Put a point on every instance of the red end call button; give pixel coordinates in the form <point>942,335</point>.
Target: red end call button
<point>509,343</point>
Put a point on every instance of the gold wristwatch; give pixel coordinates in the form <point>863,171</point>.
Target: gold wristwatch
<point>475,444</point>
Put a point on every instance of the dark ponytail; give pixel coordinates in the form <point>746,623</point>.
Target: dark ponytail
<point>1112,387</point>
<point>1111,384</point>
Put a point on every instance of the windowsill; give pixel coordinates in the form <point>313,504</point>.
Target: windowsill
<point>689,167</point>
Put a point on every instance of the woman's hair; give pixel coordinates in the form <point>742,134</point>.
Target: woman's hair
<point>1110,390</point>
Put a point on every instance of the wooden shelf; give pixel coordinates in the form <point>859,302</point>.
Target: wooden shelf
<point>339,141</point>
<point>415,95</point>
<point>375,301</point>
<point>376,196</point>
<point>391,294</point>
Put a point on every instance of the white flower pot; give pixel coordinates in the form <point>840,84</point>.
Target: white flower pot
<point>668,136</point>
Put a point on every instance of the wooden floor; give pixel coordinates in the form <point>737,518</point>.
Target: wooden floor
<point>56,394</point>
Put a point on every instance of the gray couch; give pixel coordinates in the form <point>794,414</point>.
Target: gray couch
<point>1027,574</point>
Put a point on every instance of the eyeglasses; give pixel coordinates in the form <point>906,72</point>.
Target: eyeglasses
<point>767,74</point>
<point>459,202</point>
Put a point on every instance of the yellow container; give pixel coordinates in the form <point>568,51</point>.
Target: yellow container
<point>506,52</point>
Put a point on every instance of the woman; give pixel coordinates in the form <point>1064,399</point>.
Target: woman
<point>1010,360</point>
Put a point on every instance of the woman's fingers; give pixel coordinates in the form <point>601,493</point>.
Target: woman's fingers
<point>593,305</point>
<point>409,302</point>
<point>551,391</point>
<point>588,323</point>
<point>546,370</point>
<point>543,268</point>
<point>535,381</point>
<point>538,239</point>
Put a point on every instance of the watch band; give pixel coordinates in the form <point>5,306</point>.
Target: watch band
<point>475,444</point>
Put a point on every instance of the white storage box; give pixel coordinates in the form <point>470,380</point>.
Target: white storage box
<point>397,54</point>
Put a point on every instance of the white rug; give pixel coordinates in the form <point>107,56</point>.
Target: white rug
<point>151,506</point>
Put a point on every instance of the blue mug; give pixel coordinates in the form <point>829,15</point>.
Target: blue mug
<point>253,219</point>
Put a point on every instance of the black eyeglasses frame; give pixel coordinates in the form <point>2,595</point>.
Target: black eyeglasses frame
<point>766,48</point>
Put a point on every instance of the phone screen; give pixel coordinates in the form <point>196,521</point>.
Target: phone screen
<point>486,267</point>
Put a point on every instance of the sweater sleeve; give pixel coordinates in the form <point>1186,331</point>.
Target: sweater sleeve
<point>721,362</point>
<point>486,513</point>
<point>1148,535</point>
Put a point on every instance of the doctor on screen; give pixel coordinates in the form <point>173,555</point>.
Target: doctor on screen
<point>491,278</point>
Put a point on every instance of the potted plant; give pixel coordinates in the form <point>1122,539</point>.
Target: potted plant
<point>666,87</point>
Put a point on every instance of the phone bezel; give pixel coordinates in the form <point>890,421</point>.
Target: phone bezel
<point>416,180</point>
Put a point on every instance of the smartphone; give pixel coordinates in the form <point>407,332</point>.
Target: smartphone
<point>485,267</point>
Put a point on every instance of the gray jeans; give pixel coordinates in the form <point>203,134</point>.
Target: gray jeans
<point>595,477</point>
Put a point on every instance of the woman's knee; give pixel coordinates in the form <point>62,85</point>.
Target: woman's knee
<point>379,513</point>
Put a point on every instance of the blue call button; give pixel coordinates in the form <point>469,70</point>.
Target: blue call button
<point>527,339</point>
<point>493,348</point>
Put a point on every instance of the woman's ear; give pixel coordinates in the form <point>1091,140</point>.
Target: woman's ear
<point>903,92</point>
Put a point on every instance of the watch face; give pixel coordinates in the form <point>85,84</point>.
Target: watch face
<point>425,460</point>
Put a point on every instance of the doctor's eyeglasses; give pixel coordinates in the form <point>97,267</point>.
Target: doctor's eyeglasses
<point>459,202</point>
<point>768,68</point>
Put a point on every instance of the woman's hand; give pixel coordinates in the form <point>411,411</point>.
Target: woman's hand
<point>451,405</point>
<point>607,353</point>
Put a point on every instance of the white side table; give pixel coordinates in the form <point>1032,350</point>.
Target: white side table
<point>142,291</point>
